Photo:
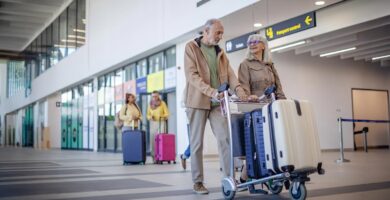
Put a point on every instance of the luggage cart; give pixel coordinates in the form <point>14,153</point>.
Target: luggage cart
<point>293,180</point>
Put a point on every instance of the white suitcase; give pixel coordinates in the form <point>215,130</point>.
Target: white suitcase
<point>294,136</point>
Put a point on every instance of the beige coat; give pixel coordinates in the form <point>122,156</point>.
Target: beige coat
<point>198,91</point>
<point>255,76</point>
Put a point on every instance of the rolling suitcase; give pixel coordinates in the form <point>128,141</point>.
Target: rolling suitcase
<point>291,138</point>
<point>134,147</point>
<point>165,147</point>
<point>254,145</point>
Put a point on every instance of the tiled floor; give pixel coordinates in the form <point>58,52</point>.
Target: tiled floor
<point>55,174</point>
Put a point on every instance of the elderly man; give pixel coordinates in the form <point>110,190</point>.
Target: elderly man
<point>206,68</point>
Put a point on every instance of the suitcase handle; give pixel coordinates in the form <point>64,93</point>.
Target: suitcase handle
<point>159,126</point>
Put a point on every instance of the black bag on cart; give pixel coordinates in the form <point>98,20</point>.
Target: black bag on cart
<point>238,135</point>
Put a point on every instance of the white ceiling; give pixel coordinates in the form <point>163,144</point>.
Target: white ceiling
<point>21,20</point>
<point>371,39</point>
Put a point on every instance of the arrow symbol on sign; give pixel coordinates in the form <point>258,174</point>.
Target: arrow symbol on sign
<point>308,20</point>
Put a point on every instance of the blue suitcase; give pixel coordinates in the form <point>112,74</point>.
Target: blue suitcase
<point>134,147</point>
<point>254,145</point>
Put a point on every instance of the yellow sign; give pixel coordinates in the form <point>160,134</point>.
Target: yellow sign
<point>155,81</point>
<point>291,26</point>
<point>270,33</point>
<point>308,20</point>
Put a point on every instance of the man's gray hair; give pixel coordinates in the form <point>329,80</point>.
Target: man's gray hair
<point>210,22</point>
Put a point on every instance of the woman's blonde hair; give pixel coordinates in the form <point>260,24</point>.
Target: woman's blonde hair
<point>266,52</point>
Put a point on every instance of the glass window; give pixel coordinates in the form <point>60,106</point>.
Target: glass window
<point>110,112</point>
<point>130,72</point>
<point>90,86</point>
<point>34,58</point>
<point>15,77</point>
<point>39,54</point>
<point>142,67</point>
<point>49,45</point>
<point>56,42</point>
<point>71,36</point>
<point>156,62</point>
<point>170,57</point>
<point>81,21</point>
<point>100,83</point>
<point>43,51</point>
<point>63,35</point>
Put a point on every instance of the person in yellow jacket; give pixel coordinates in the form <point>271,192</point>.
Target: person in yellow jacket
<point>130,113</point>
<point>157,114</point>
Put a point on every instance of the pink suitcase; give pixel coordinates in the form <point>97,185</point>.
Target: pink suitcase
<point>165,148</point>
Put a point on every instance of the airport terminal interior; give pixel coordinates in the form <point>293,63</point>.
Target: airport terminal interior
<point>67,67</point>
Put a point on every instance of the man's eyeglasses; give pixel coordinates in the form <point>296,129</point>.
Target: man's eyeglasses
<point>253,42</point>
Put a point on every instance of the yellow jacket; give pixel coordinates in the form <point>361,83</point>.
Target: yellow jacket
<point>130,113</point>
<point>160,113</point>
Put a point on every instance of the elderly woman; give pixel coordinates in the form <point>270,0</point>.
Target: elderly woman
<point>130,113</point>
<point>256,73</point>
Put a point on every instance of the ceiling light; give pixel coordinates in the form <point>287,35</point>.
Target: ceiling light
<point>79,30</point>
<point>337,52</point>
<point>78,37</point>
<point>73,41</point>
<point>319,3</point>
<point>257,25</point>
<point>381,57</point>
<point>63,46</point>
<point>288,46</point>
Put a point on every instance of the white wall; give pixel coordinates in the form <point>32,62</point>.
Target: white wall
<point>54,120</point>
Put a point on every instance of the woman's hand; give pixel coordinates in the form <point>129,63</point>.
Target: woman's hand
<point>253,98</point>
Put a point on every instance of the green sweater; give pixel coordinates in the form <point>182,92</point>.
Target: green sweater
<point>211,58</point>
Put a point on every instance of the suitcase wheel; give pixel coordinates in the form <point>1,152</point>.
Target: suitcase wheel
<point>174,162</point>
<point>169,162</point>
<point>274,188</point>
<point>298,191</point>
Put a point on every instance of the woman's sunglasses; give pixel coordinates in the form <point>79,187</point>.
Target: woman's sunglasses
<point>253,42</point>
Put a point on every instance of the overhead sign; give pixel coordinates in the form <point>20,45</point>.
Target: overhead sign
<point>155,81</point>
<point>238,43</point>
<point>291,26</point>
<point>141,85</point>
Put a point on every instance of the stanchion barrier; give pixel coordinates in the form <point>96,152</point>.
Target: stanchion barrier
<point>340,122</point>
<point>341,159</point>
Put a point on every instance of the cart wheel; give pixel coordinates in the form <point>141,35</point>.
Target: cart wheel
<point>169,162</point>
<point>174,162</point>
<point>300,193</point>
<point>228,194</point>
<point>274,188</point>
